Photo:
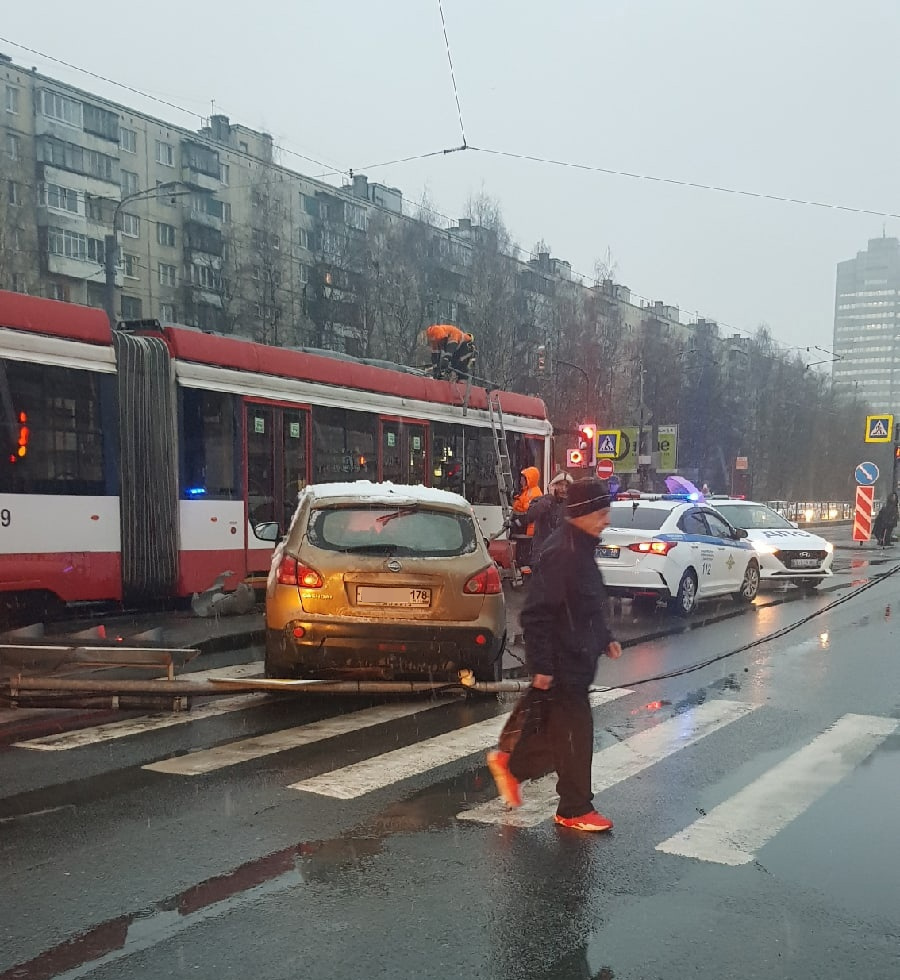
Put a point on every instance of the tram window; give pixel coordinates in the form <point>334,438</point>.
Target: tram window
<point>344,445</point>
<point>524,452</point>
<point>447,448</point>
<point>481,472</point>
<point>208,463</point>
<point>51,424</point>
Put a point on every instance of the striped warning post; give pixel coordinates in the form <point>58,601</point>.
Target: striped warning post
<point>862,516</point>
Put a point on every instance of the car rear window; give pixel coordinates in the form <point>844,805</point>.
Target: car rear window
<point>380,530</point>
<point>641,517</point>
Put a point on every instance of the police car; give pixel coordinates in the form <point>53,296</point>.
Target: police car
<point>786,552</point>
<point>675,548</point>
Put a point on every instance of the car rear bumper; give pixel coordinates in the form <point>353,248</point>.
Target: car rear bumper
<point>383,652</point>
<point>633,580</point>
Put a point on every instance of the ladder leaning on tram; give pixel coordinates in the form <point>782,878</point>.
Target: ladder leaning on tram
<point>506,486</point>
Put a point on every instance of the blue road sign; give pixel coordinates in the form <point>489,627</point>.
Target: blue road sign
<point>866,474</point>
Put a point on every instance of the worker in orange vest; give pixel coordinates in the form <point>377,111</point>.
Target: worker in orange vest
<point>451,350</point>
<point>530,479</point>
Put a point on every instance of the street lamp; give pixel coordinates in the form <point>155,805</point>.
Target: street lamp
<point>111,255</point>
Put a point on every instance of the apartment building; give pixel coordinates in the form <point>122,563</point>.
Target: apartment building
<point>213,230</point>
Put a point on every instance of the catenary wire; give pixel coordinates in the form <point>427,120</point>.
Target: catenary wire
<point>462,128</point>
<point>759,641</point>
<point>444,152</point>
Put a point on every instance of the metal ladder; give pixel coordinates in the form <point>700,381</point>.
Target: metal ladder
<point>503,467</point>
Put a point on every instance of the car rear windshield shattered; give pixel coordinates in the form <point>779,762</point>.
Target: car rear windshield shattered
<point>392,531</point>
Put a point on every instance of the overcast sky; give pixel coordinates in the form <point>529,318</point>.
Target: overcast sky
<point>797,98</point>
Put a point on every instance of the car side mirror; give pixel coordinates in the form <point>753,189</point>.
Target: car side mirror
<point>740,532</point>
<point>268,531</point>
<point>793,524</point>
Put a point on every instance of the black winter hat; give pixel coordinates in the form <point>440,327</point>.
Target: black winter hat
<point>586,496</point>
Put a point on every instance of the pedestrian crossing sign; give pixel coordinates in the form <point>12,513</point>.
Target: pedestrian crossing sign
<point>608,442</point>
<point>879,428</point>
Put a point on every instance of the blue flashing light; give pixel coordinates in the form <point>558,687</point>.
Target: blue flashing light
<point>196,491</point>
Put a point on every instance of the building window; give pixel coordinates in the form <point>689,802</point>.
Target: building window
<point>204,276</point>
<point>12,99</point>
<point>100,165</point>
<point>60,198</point>
<point>304,274</point>
<point>165,234</point>
<point>131,225</point>
<point>69,244</point>
<point>131,263</point>
<point>226,212</point>
<point>18,283</point>
<point>167,275</point>
<point>131,308</point>
<point>16,240</point>
<point>243,146</point>
<point>355,216</point>
<point>12,193</point>
<point>303,238</point>
<point>101,122</point>
<point>59,292</point>
<point>13,146</point>
<point>224,173</point>
<point>167,312</point>
<point>165,154</point>
<point>129,183</point>
<point>93,207</point>
<point>96,250</point>
<point>128,140</point>
<point>58,107</point>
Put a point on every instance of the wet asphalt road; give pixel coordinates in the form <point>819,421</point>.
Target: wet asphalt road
<point>112,870</point>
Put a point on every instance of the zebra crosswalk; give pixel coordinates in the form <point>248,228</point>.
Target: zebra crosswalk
<point>730,834</point>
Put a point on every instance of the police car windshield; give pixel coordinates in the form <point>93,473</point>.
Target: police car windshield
<point>752,518</point>
<point>640,516</point>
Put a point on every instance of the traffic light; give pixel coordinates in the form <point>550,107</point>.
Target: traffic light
<point>587,442</point>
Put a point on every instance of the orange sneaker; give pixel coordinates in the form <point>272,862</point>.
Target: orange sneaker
<point>507,784</point>
<point>587,821</point>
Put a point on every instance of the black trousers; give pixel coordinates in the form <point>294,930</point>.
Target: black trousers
<point>555,735</point>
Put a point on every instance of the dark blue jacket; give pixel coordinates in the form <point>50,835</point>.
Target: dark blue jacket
<point>565,618</point>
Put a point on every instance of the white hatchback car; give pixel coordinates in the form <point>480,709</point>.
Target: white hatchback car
<point>670,547</point>
<point>786,552</point>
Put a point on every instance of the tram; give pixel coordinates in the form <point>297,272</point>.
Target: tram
<point>139,464</point>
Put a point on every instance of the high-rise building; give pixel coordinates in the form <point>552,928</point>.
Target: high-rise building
<point>867,325</point>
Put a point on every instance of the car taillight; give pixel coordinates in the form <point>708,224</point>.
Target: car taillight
<point>486,582</point>
<point>293,572</point>
<point>652,547</point>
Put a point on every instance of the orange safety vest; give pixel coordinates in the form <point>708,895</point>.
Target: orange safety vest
<point>520,505</point>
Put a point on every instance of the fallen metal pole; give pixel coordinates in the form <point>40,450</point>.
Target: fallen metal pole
<point>222,686</point>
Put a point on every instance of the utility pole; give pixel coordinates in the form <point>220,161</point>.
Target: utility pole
<point>643,458</point>
<point>111,250</point>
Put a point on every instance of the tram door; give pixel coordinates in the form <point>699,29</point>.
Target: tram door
<point>404,457</point>
<point>277,467</point>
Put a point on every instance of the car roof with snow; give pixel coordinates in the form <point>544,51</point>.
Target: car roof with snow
<point>388,494</point>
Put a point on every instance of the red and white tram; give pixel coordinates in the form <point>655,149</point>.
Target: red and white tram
<point>139,464</point>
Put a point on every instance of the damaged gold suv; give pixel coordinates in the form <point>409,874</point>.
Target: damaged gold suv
<point>381,581</point>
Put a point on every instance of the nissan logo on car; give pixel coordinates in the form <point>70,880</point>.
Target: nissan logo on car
<point>394,566</point>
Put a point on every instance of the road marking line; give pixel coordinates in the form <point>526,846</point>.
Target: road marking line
<point>392,767</point>
<point>616,763</point>
<point>735,830</point>
<point>96,734</point>
<point>234,753</point>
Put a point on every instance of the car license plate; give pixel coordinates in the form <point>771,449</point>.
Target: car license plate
<point>609,551</point>
<point>805,563</point>
<point>394,595</point>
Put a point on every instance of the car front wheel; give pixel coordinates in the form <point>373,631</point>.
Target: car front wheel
<point>684,601</point>
<point>750,584</point>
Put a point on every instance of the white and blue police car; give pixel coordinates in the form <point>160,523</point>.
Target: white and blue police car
<point>786,552</point>
<point>676,548</point>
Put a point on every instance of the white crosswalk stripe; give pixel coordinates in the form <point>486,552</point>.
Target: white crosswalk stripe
<point>735,830</point>
<point>95,734</point>
<point>616,763</point>
<point>234,753</point>
<point>413,760</point>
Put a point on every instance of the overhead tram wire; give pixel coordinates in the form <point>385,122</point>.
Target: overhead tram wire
<point>329,171</point>
<point>462,128</point>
